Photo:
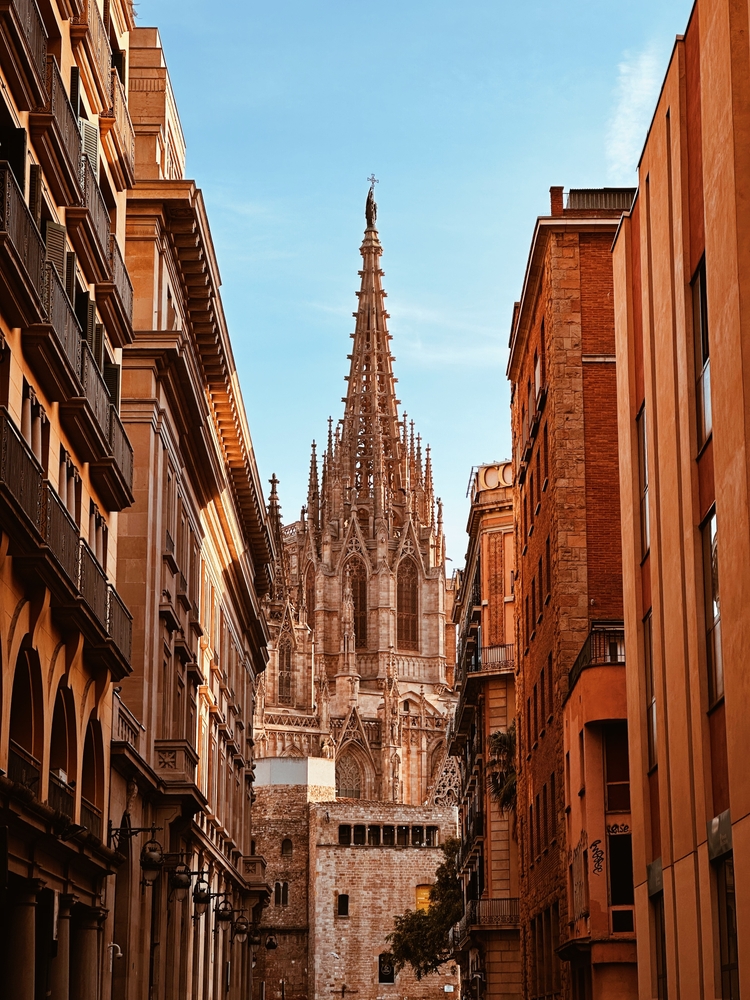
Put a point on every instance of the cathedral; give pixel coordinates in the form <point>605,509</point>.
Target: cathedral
<point>362,650</point>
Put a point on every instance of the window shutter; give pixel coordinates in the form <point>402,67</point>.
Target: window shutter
<point>90,331</point>
<point>35,193</point>
<point>13,149</point>
<point>70,275</point>
<point>82,310</point>
<point>75,90</point>
<point>99,345</point>
<point>111,375</point>
<point>54,239</point>
<point>90,137</point>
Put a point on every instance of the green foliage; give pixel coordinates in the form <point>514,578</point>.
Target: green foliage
<point>501,767</point>
<point>420,937</point>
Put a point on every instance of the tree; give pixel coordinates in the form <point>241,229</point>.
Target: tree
<point>501,767</point>
<point>420,937</point>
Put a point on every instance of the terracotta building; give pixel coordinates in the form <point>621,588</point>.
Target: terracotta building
<point>194,562</point>
<point>66,470</point>
<point>568,594</point>
<point>357,671</point>
<point>486,940</point>
<point>681,273</point>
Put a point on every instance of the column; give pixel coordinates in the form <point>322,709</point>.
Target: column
<point>84,964</point>
<point>19,975</point>
<point>60,969</point>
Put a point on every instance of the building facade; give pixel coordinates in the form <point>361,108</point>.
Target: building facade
<point>357,671</point>
<point>66,471</point>
<point>195,561</point>
<point>681,320</point>
<point>568,591</point>
<point>487,939</point>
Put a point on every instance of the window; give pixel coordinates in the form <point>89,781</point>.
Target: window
<point>281,894</point>
<point>286,847</point>
<point>285,671</point>
<point>545,818</point>
<point>552,808</point>
<point>345,835</point>
<point>417,836</point>
<point>310,594</point>
<point>538,831</point>
<point>432,838</point>
<point>648,659</point>
<point>373,836</point>
<point>531,833</point>
<point>532,508</point>
<point>342,905</point>
<point>34,425</point>
<point>550,688</point>
<point>402,836</point>
<point>97,534</point>
<point>540,579</point>
<point>359,834</point>
<point>358,581</point>
<point>702,360</point>
<point>660,941</point>
<point>69,485</point>
<point>536,713</point>
<point>542,697</point>
<point>545,448</point>
<point>640,425</point>
<point>389,836</point>
<point>620,870</point>
<point>348,778</point>
<point>714,660</point>
<point>549,566</point>
<point>407,617</point>
<point>422,897</point>
<point>533,607</point>
<point>616,766</point>
<point>730,981</point>
<point>386,971</point>
<point>526,616</point>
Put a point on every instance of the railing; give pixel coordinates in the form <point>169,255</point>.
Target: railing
<point>93,584</point>
<point>58,105</point>
<point>62,317</point>
<point>119,623</point>
<point>34,32</point>
<point>23,768</point>
<point>16,220</point>
<point>60,532</point>
<point>120,276</point>
<point>123,124</point>
<point>486,913</point>
<point>91,817</point>
<point>60,797</point>
<point>20,472</point>
<point>98,40</point>
<point>95,203</point>
<point>127,727</point>
<point>95,390</point>
<point>121,447</point>
<point>491,659</point>
<point>604,646</point>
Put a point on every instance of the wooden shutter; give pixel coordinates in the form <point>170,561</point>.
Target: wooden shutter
<point>13,149</point>
<point>54,240</point>
<point>35,193</point>
<point>90,331</point>
<point>98,347</point>
<point>75,90</point>
<point>90,138</point>
<point>111,375</point>
<point>70,275</point>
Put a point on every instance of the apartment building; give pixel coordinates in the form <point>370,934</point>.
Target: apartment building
<point>680,277</point>
<point>66,471</point>
<point>487,939</point>
<point>572,737</point>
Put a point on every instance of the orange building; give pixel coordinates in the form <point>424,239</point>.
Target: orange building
<point>576,914</point>
<point>486,940</point>
<point>682,320</point>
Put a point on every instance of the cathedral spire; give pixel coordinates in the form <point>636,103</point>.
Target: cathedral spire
<point>280,576</point>
<point>313,492</point>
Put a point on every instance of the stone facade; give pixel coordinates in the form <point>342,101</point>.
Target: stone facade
<point>568,577</point>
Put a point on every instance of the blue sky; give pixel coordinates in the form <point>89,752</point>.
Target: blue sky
<point>467,113</point>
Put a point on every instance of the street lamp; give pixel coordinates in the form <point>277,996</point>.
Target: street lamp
<point>152,861</point>
<point>201,896</point>
<point>179,882</point>
<point>240,929</point>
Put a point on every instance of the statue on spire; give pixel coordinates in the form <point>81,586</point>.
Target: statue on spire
<point>371,207</point>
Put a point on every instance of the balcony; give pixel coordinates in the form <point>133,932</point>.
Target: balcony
<point>20,477</point>
<point>492,660</point>
<point>88,31</point>
<point>175,764</point>
<point>54,346</point>
<point>113,474</point>
<point>114,298</point>
<point>127,729</point>
<point>57,139</point>
<point>91,818</point>
<point>21,255</point>
<point>92,584</point>
<point>87,417</point>
<point>487,914</point>
<point>24,769</point>
<point>118,136</point>
<point>88,226</point>
<point>119,623</point>
<point>23,51</point>
<point>60,532</point>
<point>61,796</point>
<point>604,646</point>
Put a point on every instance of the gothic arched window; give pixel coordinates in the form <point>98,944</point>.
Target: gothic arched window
<point>407,605</point>
<point>285,671</point>
<point>348,778</point>
<point>358,580</point>
<point>310,594</point>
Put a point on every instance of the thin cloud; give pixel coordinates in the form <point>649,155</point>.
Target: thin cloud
<point>638,82</point>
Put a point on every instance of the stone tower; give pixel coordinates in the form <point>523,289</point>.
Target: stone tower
<point>357,667</point>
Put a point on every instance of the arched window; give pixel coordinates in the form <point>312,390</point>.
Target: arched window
<point>281,894</point>
<point>348,778</point>
<point>62,761</point>
<point>310,595</point>
<point>358,579</point>
<point>26,727</point>
<point>407,605</point>
<point>92,780</point>
<point>286,848</point>
<point>285,671</point>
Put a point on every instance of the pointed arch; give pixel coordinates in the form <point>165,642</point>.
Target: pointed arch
<point>407,604</point>
<point>26,721</point>
<point>310,593</point>
<point>92,778</point>
<point>355,567</point>
<point>348,777</point>
<point>284,670</point>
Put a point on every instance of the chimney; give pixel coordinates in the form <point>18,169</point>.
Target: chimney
<point>556,200</point>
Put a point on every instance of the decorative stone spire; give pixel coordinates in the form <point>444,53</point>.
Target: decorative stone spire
<point>313,492</point>
<point>281,575</point>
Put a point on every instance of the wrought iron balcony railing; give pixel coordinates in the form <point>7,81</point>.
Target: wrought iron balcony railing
<point>604,646</point>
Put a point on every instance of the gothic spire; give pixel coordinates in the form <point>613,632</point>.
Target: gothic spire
<point>280,576</point>
<point>313,492</point>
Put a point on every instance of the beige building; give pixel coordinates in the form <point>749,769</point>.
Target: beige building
<point>487,939</point>
<point>66,470</point>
